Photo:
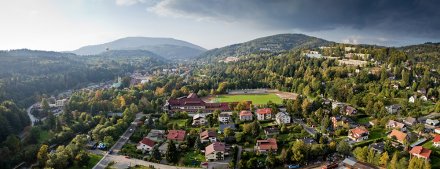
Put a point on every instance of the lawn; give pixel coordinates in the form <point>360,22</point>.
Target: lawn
<point>94,158</point>
<point>44,136</point>
<point>255,98</point>
<point>376,133</point>
<point>363,120</point>
<point>180,122</point>
<point>192,158</point>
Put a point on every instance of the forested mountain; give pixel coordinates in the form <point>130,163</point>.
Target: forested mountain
<point>130,53</point>
<point>275,43</point>
<point>165,47</point>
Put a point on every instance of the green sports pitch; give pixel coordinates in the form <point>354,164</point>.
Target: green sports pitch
<point>255,98</point>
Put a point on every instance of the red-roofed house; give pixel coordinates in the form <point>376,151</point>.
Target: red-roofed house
<point>358,134</point>
<point>436,141</point>
<point>246,115</point>
<point>264,114</point>
<point>208,136</point>
<point>176,135</point>
<point>420,152</point>
<point>266,145</point>
<point>215,151</point>
<point>145,144</point>
<point>400,136</point>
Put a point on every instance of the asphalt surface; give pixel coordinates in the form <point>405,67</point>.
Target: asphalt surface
<point>309,130</point>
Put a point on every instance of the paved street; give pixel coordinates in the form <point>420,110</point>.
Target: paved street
<point>309,130</point>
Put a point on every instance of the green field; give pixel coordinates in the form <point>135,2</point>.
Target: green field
<point>255,98</point>
<point>94,158</point>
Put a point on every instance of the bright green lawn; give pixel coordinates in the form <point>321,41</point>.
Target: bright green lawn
<point>94,158</point>
<point>180,122</point>
<point>44,136</point>
<point>255,98</point>
<point>376,133</point>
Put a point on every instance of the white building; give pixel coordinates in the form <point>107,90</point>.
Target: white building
<point>282,118</point>
<point>215,151</point>
<point>146,144</point>
<point>264,114</point>
<point>199,119</point>
<point>412,99</point>
<point>432,122</point>
<point>223,118</point>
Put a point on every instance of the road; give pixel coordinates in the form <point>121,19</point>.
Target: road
<point>32,117</point>
<point>238,156</point>
<point>309,130</point>
<point>117,146</point>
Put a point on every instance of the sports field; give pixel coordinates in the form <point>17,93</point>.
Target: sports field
<point>255,98</point>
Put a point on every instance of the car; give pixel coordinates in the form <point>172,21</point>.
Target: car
<point>110,152</point>
<point>293,166</point>
<point>127,157</point>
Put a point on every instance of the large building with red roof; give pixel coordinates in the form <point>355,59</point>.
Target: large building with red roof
<point>264,114</point>
<point>436,141</point>
<point>215,151</point>
<point>358,134</point>
<point>192,103</point>
<point>420,152</point>
<point>176,135</point>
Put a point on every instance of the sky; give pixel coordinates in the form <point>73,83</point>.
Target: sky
<point>64,25</point>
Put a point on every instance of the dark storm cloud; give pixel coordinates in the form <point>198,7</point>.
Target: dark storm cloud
<point>419,18</point>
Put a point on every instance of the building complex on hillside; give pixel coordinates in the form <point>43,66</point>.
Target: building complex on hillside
<point>192,104</point>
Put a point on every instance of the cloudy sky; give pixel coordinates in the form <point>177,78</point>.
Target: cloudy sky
<point>62,25</point>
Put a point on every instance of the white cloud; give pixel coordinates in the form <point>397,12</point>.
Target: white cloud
<point>129,2</point>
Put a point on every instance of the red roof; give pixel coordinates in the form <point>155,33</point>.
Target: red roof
<point>147,142</point>
<point>269,144</point>
<point>264,111</point>
<point>436,139</point>
<point>245,113</point>
<point>178,135</point>
<point>216,146</point>
<point>419,150</point>
<point>208,133</point>
<point>358,131</point>
<point>399,135</point>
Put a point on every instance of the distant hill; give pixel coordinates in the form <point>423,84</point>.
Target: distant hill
<point>165,47</point>
<point>275,43</point>
<point>129,53</point>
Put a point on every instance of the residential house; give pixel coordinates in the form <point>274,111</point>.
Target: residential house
<point>410,121</point>
<point>432,122</point>
<point>215,151</point>
<point>163,148</point>
<point>176,135</point>
<point>264,114</point>
<point>246,115</point>
<point>393,109</point>
<point>270,131</point>
<point>156,135</point>
<point>145,144</point>
<point>420,152</point>
<point>61,103</point>
<point>308,140</point>
<point>437,130</point>
<point>436,141</point>
<point>352,163</point>
<point>222,127</point>
<point>401,137</point>
<point>337,104</point>
<point>412,99</point>
<point>282,118</point>
<point>349,111</point>
<point>224,118</point>
<point>263,146</point>
<point>199,120</point>
<point>358,134</point>
<point>378,147</point>
<point>208,136</point>
<point>396,125</point>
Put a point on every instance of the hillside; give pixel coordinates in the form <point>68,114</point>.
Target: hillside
<point>165,47</point>
<point>275,43</point>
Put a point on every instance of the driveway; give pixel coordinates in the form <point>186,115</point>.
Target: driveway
<point>309,130</point>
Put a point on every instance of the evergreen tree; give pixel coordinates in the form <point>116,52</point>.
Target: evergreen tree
<point>171,154</point>
<point>156,154</point>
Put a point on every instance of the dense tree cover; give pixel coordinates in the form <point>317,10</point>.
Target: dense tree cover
<point>12,119</point>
